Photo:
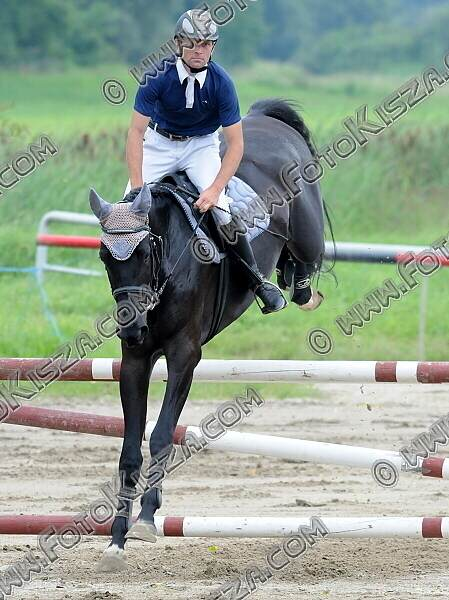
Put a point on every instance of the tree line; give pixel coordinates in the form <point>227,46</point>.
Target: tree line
<point>323,36</point>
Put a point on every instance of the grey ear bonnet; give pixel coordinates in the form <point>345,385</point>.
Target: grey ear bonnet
<point>122,245</point>
<point>124,224</point>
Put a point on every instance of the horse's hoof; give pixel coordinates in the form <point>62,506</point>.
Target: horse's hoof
<point>112,560</point>
<point>314,302</point>
<point>142,530</point>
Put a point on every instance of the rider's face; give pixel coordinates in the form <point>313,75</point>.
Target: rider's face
<point>198,54</point>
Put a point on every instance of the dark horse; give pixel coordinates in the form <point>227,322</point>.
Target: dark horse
<point>178,324</point>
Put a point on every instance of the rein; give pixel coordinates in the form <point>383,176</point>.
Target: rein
<point>157,293</point>
<point>161,289</point>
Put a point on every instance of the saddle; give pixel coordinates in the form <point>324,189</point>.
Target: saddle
<point>186,194</point>
<point>249,215</point>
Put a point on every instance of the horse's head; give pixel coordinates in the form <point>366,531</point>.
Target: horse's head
<point>129,251</point>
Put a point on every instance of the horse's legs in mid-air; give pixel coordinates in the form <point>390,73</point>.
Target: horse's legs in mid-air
<point>295,274</point>
<point>137,364</point>
<point>301,282</point>
<point>306,243</point>
<point>306,256</point>
<point>182,356</point>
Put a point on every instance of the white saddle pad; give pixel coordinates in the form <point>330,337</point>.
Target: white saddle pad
<point>248,210</point>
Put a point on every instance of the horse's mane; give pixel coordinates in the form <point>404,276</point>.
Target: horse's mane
<point>285,111</point>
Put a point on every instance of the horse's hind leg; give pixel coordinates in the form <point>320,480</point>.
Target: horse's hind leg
<point>293,273</point>
<point>134,380</point>
<point>182,357</point>
<point>284,268</point>
<point>306,245</point>
<point>300,281</point>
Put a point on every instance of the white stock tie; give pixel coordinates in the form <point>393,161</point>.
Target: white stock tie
<point>190,91</point>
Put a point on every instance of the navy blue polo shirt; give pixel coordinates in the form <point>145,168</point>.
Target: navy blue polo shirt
<point>163,99</point>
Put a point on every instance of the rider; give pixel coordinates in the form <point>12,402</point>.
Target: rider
<point>183,107</point>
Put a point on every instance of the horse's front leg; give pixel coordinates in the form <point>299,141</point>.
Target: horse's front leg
<point>137,365</point>
<point>182,357</point>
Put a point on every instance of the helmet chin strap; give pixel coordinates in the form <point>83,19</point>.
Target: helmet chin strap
<point>192,69</point>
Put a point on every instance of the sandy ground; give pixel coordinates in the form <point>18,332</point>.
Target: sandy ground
<point>57,472</point>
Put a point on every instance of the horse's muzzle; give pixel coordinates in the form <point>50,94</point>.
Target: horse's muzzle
<point>133,335</point>
<point>131,326</point>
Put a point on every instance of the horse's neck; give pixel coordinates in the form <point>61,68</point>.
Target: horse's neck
<point>160,215</point>
<point>166,221</point>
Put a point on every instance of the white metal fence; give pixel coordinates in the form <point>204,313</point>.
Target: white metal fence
<point>343,251</point>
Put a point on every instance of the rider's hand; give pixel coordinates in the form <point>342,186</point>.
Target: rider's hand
<point>131,195</point>
<point>208,199</point>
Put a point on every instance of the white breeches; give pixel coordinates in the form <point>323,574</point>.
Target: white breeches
<point>199,157</point>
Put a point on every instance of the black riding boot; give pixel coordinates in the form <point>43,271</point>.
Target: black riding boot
<point>269,293</point>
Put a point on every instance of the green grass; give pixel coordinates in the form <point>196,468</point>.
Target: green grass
<point>392,191</point>
<point>71,102</point>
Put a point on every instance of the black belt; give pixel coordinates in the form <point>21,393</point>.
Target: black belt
<point>171,136</point>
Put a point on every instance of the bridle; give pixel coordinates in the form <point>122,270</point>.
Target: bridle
<point>156,244</point>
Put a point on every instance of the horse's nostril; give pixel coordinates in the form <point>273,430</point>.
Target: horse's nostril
<point>133,337</point>
<point>133,342</point>
<point>119,333</point>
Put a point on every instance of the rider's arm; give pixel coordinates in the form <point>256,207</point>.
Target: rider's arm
<point>146,97</point>
<point>231,160</point>
<point>134,148</point>
<point>229,114</point>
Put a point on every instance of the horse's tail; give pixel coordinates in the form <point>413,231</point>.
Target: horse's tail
<point>285,111</point>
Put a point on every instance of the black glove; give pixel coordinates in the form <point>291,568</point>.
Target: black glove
<point>130,196</point>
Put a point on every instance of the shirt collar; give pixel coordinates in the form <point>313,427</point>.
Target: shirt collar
<point>183,73</point>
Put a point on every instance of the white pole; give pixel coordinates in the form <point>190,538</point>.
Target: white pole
<point>294,449</point>
<point>343,527</point>
<point>42,251</point>
<point>279,370</point>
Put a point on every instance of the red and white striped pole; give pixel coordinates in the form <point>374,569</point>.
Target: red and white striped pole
<point>231,441</point>
<point>247,527</point>
<point>211,370</point>
<point>68,241</point>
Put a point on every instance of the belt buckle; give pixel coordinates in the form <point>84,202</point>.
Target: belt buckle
<point>177,138</point>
